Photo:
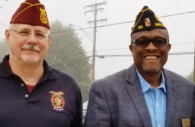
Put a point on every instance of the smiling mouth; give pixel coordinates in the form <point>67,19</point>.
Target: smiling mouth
<point>31,50</point>
<point>151,57</point>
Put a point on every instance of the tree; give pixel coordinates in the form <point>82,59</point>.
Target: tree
<point>4,49</point>
<point>191,76</point>
<point>67,54</point>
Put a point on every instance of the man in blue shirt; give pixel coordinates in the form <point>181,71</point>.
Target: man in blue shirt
<point>33,94</point>
<point>146,94</point>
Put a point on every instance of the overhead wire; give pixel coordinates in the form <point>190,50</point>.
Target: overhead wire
<point>127,47</point>
<point>3,24</point>
<point>127,22</point>
<point>178,53</point>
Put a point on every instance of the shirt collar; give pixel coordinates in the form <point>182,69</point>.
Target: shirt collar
<point>5,70</point>
<point>146,86</point>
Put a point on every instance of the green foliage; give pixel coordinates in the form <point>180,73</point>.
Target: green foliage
<point>4,49</point>
<point>67,54</point>
<point>191,76</point>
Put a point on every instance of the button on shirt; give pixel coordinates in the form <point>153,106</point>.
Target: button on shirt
<point>155,100</point>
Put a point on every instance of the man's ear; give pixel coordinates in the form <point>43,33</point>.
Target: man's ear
<point>169,47</point>
<point>131,48</point>
<point>7,36</point>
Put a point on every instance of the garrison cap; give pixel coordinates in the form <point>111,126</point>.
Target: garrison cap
<point>31,12</point>
<point>146,20</point>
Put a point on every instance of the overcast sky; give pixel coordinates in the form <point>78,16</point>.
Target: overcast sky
<point>115,39</point>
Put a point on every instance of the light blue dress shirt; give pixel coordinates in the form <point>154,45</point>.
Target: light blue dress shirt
<point>155,100</point>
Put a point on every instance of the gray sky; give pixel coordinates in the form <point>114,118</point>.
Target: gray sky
<point>117,37</point>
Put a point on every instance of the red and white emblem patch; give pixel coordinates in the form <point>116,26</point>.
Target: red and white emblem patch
<point>57,100</point>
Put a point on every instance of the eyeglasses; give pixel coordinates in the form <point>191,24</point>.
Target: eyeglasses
<point>26,33</point>
<point>158,42</point>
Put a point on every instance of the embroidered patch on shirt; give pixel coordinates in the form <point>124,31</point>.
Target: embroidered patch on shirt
<point>57,100</point>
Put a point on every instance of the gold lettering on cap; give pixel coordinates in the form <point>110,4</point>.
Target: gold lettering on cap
<point>43,16</point>
<point>140,27</point>
<point>159,24</point>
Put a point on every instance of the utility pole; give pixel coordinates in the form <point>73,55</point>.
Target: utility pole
<point>94,36</point>
<point>194,63</point>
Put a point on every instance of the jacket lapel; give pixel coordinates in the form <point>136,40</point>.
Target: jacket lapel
<point>171,99</point>
<point>137,96</point>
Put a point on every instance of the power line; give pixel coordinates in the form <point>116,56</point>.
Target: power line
<point>129,55</point>
<point>3,24</point>
<point>182,43</point>
<point>127,22</point>
<point>86,34</point>
<point>181,53</point>
<point>159,17</point>
<point>177,14</point>
<point>127,48</point>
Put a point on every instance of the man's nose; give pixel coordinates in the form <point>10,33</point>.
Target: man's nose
<point>151,47</point>
<point>32,38</point>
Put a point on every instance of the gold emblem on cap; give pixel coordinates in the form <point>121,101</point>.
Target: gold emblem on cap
<point>147,22</point>
<point>57,100</point>
<point>43,16</point>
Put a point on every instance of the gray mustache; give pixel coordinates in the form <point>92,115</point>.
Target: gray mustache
<point>31,47</point>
